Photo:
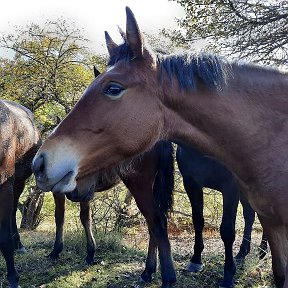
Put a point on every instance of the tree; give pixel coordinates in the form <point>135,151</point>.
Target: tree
<point>49,70</point>
<point>251,29</point>
<point>164,44</point>
<point>30,209</point>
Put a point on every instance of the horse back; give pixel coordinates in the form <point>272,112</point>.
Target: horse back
<point>19,139</point>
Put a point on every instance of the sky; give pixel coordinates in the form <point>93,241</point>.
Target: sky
<point>93,17</point>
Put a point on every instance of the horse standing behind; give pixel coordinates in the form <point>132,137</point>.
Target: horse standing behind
<point>19,143</point>
<point>236,113</point>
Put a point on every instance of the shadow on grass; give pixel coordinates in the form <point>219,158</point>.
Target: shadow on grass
<point>70,270</point>
<point>117,266</point>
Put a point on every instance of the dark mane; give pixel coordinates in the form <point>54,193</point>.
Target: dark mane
<point>121,52</point>
<point>211,70</point>
<point>187,68</point>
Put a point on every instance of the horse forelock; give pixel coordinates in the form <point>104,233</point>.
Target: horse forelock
<point>121,52</point>
<point>189,69</point>
<point>125,53</point>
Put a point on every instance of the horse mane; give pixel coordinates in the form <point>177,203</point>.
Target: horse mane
<point>189,69</point>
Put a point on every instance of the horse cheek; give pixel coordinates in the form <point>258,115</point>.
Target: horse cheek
<point>144,131</point>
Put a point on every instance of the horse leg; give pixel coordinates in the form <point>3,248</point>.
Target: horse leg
<point>276,234</point>
<point>151,259</point>
<point>227,231</point>
<point>59,200</point>
<point>6,242</point>
<point>249,218</point>
<point>157,225</point>
<point>85,216</point>
<point>286,272</point>
<point>195,194</point>
<point>18,189</point>
<point>263,247</point>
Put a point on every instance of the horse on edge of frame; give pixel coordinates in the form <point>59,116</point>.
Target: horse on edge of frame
<point>20,141</point>
<point>143,98</point>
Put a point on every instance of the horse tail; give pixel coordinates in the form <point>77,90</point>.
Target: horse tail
<point>164,182</point>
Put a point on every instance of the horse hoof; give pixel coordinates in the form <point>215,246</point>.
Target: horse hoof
<point>194,267</point>
<point>146,275</point>
<point>239,261</point>
<point>146,279</point>
<point>53,256</point>
<point>89,263</point>
<point>167,285</point>
<point>21,250</point>
<point>226,284</point>
<point>13,285</point>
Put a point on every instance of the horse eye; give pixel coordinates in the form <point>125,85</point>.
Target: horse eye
<point>114,90</point>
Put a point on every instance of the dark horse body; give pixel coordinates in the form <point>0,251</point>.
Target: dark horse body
<point>198,171</point>
<point>19,144</point>
<point>235,113</point>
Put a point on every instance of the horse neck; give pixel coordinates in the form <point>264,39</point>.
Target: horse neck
<point>230,124</point>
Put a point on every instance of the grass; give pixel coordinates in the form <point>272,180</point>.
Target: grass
<point>120,257</point>
<point>119,263</point>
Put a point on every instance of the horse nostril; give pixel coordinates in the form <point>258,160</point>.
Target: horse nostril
<point>39,165</point>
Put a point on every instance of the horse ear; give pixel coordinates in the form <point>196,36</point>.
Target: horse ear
<point>96,71</point>
<point>111,45</point>
<point>122,33</point>
<point>133,34</point>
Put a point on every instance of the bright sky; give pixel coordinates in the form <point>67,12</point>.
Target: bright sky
<point>93,16</point>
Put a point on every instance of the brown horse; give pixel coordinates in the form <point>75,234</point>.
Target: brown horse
<point>19,144</point>
<point>198,171</point>
<point>236,113</point>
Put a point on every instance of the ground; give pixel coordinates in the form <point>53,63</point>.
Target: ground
<point>120,256</point>
<point>119,262</point>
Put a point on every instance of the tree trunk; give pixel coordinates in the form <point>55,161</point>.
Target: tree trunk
<point>124,217</point>
<point>31,208</point>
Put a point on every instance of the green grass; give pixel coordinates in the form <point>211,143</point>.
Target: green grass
<point>120,257</point>
<point>119,264</point>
